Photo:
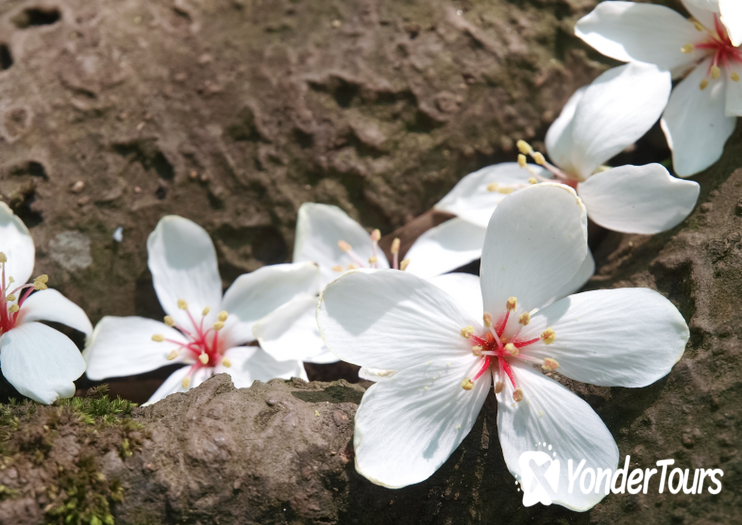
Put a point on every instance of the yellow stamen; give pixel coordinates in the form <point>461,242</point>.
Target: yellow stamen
<point>376,235</point>
<point>226,363</point>
<point>467,332</point>
<point>532,180</point>
<point>511,349</point>
<point>467,384</point>
<point>506,191</point>
<point>395,245</point>
<point>548,336</point>
<point>715,72</point>
<point>518,395</point>
<point>699,26</point>
<point>524,147</point>
<point>704,84</point>
<point>499,387</point>
<point>223,316</point>
<point>40,282</point>
<point>218,326</point>
<point>539,159</point>
<point>172,355</point>
<point>11,280</point>
<point>522,162</point>
<point>352,266</point>
<point>11,297</point>
<point>344,246</point>
<point>487,318</point>
<point>492,186</point>
<point>206,311</point>
<point>337,268</point>
<point>404,264</point>
<point>512,303</point>
<point>477,350</point>
<point>3,258</point>
<point>372,260</point>
<point>186,382</point>
<point>550,364</point>
<point>524,318</point>
<point>203,358</point>
<point>687,48</point>
<point>158,338</point>
<point>13,309</point>
<point>169,321</point>
<point>735,77</point>
<point>182,304</point>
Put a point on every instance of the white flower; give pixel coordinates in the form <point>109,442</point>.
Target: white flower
<point>202,329</point>
<point>40,362</point>
<point>446,361</point>
<point>701,113</point>
<point>598,122</point>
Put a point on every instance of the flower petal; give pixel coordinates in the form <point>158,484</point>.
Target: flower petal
<point>290,332</point>
<point>251,364</point>
<point>123,346</point>
<point>183,263</point>
<point>628,31</point>
<point>17,245</point>
<point>552,415</point>
<point>731,17</point>
<point>391,320</point>
<point>464,288</point>
<point>695,123</point>
<point>733,103</point>
<point>638,199</point>
<point>559,140</point>
<point>603,127</point>
<point>40,362</point>
<point>408,425</point>
<point>472,201</point>
<point>375,374</point>
<point>174,383</point>
<point>702,10</point>
<point>448,246</point>
<point>628,337</point>
<point>536,243</point>
<point>319,227</point>
<point>254,295</point>
<point>50,305</point>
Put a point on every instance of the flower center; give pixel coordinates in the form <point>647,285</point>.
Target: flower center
<point>501,343</point>
<point>717,44</point>
<point>204,348</point>
<point>11,301</point>
<point>525,148</point>
<point>373,261</point>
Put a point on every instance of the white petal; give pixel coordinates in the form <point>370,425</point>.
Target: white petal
<point>408,425</point>
<point>551,414</point>
<point>50,305</point>
<point>123,346</point>
<point>183,263</point>
<point>628,337</point>
<point>638,199</point>
<point>695,123</point>
<point>319,227</point>
<point>603,127</point>
<point>701,12</point>
<point>254,295</point>
<point>731,17</point>
<point>536,243</point>
<point>375,374</point>
<point>253,364</point>
<point>587,269</point>
<point>40,362</point>
<point>323,358</point>
<point>174,383</point>
<point>559,140</point>
<point>628,31</point>
<point>17,245</point>
<point>464,288</point>
<point>391,320</point>
<point>290,332</point>
<point>733,103</point>
<point>444,248</point>
<point>472,201</point>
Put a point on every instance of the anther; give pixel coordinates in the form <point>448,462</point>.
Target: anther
<point>186,382</point>
<point>698,25</point>
<point>506,190</point>
<point>404,264</point>
<point>550,364</point>
<point>522,162</point>
<point>337,268</point>
<point>532,180</point>
<point>704,84</point>
<point>539,159</point>
<point>352,266</point>
<point>734,77</point>
<point>687,48</point>
<point>372,260</point>
<point>169,321</point>
<point>477,350</point>
<point>467,332</point>
<point>395,245</point>
<point>172,355</point>
<point>40,282</point>
<point>218,325</point>
<point>3,258</point>
<point>223,316</point>
<point>11,298</point>
<point>548,336</point>
<point>11,280</point>
<point>492,186</point>
<point>715,72</point>
<point>226,363</point>
<point>518,395</point>
<point>182,304</point>
<point>158,338</point>
<point>467,384</point>
<point>524,147</point>
<point>344,246</point>
<point>205,311</point>
<point>524,318</point>
<point>204,358</point>
<point>499,386</point>
<point>13,309</point>
<point>376,235</point>
<point>512,303</point>
<point>511,349</point>
<point>487,318</point>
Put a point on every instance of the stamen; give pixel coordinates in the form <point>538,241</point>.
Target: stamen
<point>511,349</point>
<point>518,395</point>
<point>376,235</point>
<point>539,159</point>
<point>704,84</point>
<point>524,147</point>
<point>395,245</point>
<point>13,309</point>
<point>467,332</point>
<point>218,325</point>
<point>204,358</point>
<point>11,298</point>
<point>169,321</point>
<point>344,246</point>
<point>372,260</point>
<point>173,354</point>
<point>223,316</point>
<point>487,318</point>
<point>337,268</point>
<point>3,258</point>
<point>550,364</point>
<point>352,266</point>
<point>186,382</point>
<point>548,336</point>
<point>40,282</point>
<point>477,350</point>
<point>715,72</point>
<point>467,384</point>
<point>524,318</point>
<point>492,186</point>
<point>205,311</point>
<point>226,363</point>
<point>532,180</point>
<point>734,77</point>
<point>698,25</point>
<point>158,338</point>
<point>182,304</point>
<point>499,387</point>
<point>522,161</point>
<point>404,264</point>
<point>395,253</point>
<point>687,48</point>
<point>512,303</point>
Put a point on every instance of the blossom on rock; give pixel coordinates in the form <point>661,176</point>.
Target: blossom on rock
<point>702,111</point>
<point>202,329</point>
<point>445,360</point>
<point>40,362</point>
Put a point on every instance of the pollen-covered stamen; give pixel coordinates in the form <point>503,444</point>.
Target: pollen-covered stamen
<point>347,248</point>
<point>538,157</point>
<point>395,253</point>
